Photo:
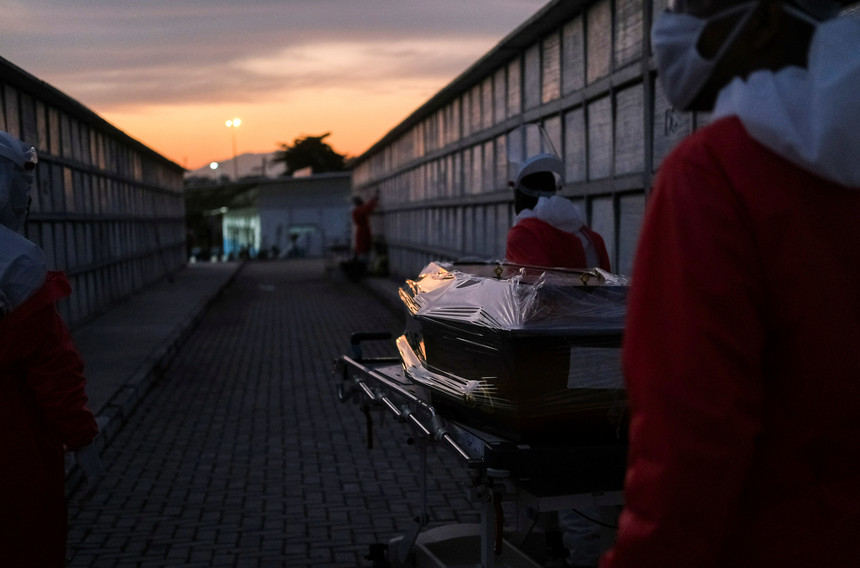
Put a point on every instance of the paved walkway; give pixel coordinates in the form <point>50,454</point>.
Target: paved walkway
<point>125,349</point>
<point>239,454</point>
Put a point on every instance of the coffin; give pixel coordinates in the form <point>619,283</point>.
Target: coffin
<point>527,353</point>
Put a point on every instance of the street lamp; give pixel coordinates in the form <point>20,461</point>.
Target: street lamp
<point>234,124</point>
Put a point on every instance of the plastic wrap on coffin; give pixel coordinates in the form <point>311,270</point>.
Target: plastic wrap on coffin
<point>524,353</point>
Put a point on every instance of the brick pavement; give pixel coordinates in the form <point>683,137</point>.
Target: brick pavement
<point>241,455</point>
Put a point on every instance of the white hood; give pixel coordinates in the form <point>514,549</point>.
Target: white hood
<point>15,181</point>
<point>557,211</point>
<point>811,117</point>
<point>22,269</point>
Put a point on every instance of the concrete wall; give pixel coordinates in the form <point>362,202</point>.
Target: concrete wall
<point>106,209</point>
<point>582,69</point>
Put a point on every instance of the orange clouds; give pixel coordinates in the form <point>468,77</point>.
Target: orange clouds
<point>170,73</point>
<point>356,92</point>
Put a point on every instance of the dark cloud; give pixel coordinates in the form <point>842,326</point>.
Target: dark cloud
<point>115,52</point>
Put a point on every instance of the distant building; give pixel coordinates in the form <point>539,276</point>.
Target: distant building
<point>266,218</point>
<point>580,68</point>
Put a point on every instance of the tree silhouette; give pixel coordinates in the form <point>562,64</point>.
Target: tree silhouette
<point>312,152</point>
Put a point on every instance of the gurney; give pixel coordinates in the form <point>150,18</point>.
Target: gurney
<point>536,438</point>
<point>538,478</point>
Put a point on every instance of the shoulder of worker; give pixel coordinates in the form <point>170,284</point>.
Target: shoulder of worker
<point>556,211</point>
<point>528,224</point>
<point>720,148</point>
<point>22,269</point>
<point>713,139</point>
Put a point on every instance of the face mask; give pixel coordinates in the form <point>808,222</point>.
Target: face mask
<point>683,71</point>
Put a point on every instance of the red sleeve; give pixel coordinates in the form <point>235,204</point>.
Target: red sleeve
<point>54,368</point>
<point>692,365</point>
<point>362,212</point>
<point>524,246</point>
<point>57,379</point>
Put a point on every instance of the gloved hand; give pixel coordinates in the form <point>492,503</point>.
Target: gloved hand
<point>88,460</point>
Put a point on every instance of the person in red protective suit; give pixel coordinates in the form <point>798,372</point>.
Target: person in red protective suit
<point>43,405</point>
<point>361,218</point>
<point>744,314</point>
<point>550,230</point>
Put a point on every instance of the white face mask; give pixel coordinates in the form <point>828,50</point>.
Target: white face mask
<point>683,71</point>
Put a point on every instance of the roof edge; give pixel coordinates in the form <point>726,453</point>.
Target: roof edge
<point>17,77</point>
<point>543,21</point>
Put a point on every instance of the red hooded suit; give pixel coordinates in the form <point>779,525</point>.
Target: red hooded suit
<point>43,407</point>
<point>554,234</point>
<point>743,329</point>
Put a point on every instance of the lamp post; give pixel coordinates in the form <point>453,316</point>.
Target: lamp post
<point>234,124</point>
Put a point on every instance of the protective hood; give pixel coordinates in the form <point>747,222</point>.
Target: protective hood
<point>531,151</point>
<point>22,269</point>
<point>808,116</point>
<point>540,163</point>
<point>557,211</point>
<point>15,180</point>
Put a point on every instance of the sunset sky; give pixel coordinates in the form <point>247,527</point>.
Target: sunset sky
<point>171,72</point>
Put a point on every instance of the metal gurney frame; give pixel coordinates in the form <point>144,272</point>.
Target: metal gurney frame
<point>499,469</point>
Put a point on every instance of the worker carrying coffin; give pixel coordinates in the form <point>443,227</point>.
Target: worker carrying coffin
<point>740,353</point>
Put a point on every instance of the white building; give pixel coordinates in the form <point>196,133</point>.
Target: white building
<point>303,216</point>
